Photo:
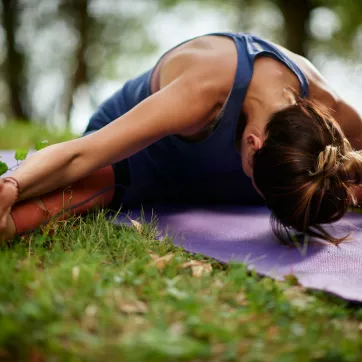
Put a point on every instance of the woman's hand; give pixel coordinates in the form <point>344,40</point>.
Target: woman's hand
<point>8,194</point>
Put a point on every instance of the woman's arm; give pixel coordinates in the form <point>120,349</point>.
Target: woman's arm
<point>186,104</point>
<point>346,115</point>
<point>351,123</point>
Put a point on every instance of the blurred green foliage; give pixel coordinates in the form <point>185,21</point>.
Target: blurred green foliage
<point>14,135</point>
<point>295,30</point>
<point>71,47</point>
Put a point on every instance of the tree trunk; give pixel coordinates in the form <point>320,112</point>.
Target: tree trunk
<point>79,12</point>
<point>296,15</point>
<point>15,60</point>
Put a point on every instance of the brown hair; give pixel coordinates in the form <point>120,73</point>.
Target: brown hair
<point>306,170</point>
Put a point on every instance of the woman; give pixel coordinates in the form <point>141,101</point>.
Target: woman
<point>226,117</point>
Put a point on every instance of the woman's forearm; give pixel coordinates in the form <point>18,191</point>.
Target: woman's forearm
<point>52,167</point>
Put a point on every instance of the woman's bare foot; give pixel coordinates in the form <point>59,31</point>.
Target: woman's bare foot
<point>8,195</point>
<point>96,190</point>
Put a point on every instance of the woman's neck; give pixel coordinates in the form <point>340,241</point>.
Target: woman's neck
<point>261,105</point>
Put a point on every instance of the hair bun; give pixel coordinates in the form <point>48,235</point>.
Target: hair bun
<point>347,167</point>
<point>328,162</point>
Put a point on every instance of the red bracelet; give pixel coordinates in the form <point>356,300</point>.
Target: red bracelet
<point>14,182</point>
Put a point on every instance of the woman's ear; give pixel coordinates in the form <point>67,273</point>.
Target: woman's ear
<point>254,144</point>
<point>254,141</point>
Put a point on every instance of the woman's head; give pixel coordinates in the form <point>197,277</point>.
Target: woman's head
<point>305,169</point>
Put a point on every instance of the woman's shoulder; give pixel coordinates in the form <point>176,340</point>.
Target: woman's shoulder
<point>319,88</point>
<point>213,59</point>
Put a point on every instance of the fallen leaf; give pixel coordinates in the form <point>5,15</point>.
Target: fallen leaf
<point>189,264</point>
<point>137,225</point>
<point>162,261</point>
<point>135,306</point>
<point>198,268</point>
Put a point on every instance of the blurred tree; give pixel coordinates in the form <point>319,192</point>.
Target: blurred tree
<point>64,46</point>
<point>105,32</point>
<point>14,62</point>
<point>348,27</point>
<point>296,18</point>
<point>298,14</point>
<point>78,14</point>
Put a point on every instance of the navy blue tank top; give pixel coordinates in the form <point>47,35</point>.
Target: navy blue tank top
<point>174,169</point>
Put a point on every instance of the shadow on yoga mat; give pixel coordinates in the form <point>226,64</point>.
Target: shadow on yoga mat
<point>243,234</point>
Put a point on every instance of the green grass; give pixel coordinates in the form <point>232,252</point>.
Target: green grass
<point>94,291</point>
<point>87,290</point>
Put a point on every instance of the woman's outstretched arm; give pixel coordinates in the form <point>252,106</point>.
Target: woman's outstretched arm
<point>171,110</point>
<point>351,123</point>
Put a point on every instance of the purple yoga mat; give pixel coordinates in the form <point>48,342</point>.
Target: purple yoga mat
<point>243,234</point>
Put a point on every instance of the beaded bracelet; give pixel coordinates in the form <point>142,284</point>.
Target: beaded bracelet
<point>14,182</point>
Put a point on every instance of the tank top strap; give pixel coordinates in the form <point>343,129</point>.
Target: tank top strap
<point>256,46</point>
<point>244,70</point>
<point>225,130</point>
